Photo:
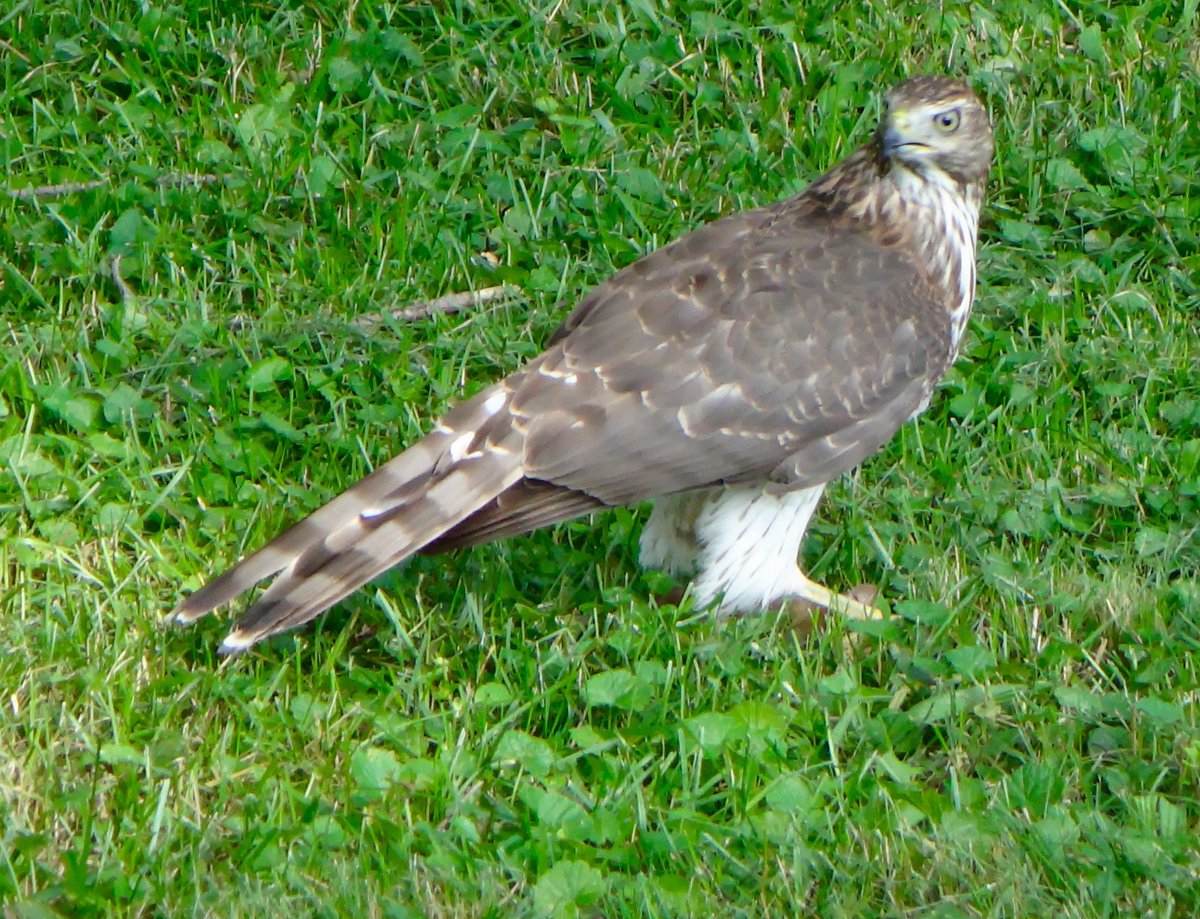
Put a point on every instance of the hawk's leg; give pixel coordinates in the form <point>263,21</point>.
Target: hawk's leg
<point>668,540</point>
<point>749,542</point>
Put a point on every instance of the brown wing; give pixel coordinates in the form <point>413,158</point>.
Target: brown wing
<point>755,348</point>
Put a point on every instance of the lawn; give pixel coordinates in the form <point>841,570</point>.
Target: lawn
<point>210,222</point>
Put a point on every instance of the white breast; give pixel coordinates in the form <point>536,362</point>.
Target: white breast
<point>947,222</point>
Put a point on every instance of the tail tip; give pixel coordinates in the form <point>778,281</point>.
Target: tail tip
<point>237,642</point>
<point>184,614</point>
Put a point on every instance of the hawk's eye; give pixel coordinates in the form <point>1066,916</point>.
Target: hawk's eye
<point>947,121</point>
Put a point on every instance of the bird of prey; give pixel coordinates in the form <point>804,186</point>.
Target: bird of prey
<point>730,375</point>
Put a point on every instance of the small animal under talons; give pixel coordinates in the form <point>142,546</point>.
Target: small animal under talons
<point>672,597</point>
<point>805,613</point>
<point>851,605</point>
<point>858,603</point>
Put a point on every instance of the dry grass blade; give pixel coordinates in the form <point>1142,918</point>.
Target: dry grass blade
<point>450,303</point>
<point>46,192</point>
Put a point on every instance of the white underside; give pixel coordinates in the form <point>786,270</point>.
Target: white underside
<point>742,544</point>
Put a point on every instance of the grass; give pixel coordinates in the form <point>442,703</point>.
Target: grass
<point>517,730</point>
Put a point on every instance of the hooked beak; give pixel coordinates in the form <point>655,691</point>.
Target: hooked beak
<point>893,135</point>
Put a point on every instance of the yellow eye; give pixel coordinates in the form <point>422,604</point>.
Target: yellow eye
<point>947,121</point>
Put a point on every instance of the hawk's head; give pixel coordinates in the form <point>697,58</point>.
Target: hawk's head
<point>936,125</point>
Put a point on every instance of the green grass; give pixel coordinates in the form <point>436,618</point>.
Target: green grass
<point>517,729</point>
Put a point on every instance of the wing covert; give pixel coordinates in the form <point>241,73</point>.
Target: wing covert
<point>753,348</point>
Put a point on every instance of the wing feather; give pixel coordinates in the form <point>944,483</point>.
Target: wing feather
<point>801,350</point>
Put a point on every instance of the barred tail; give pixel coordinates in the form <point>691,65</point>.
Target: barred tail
<point>463,465</point>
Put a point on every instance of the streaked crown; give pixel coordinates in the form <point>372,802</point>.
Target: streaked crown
<point>935,124</point>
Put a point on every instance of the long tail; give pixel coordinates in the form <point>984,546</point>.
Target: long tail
<point>467,462</point>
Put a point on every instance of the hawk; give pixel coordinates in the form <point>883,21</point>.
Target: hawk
<point>729,375</point>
